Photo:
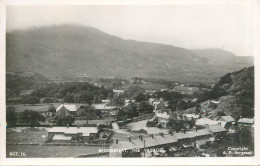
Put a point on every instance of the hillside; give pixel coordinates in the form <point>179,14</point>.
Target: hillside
<point>235,91</point>
<point>70,50</point>
<point>218,56</point>
<point>19,81</point>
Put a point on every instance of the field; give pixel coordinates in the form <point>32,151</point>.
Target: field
<point>38,107</point>
<point>26,137</point>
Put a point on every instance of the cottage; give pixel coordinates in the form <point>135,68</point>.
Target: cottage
<point>66,109</point>
<point>72,134</point>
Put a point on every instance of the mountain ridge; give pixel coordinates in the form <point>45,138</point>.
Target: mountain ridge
<point>63,50</point>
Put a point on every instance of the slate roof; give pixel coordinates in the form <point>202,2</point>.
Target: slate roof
<point>227,118</point>
<point>246,120</point>
<point>70,107</point>
<point>216,128</point>
<point>158,140</point>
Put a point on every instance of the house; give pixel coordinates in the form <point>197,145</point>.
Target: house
<point>173,142</point>
<point>163,118</point>
<point>118,91</point>
<point>105,101</point>
<point>245,121</point>
<point>72,134</point>
<point>205,121</point>
<point>226,119</point>
<point>102,107</point>
<point>66,109</point>
<point>217,131</point>
<point>191,116</point>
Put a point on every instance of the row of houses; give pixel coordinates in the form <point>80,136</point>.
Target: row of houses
<point>174,142</point>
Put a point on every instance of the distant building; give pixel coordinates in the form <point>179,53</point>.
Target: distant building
<point>102,107</point>
<point>190,116</point>
<point>105,101</point>
<point>72,134</point>
<point>66,109</point>
<point>245,121</point>
<point>118,91</point>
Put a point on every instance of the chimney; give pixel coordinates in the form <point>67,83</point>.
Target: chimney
<point>152,136</point>
<point>161,134</point>
<point>141,137</point>
<point>129,139</point>
<point>115,141</point>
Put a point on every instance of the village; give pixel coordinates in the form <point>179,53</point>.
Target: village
<point>143,125</point>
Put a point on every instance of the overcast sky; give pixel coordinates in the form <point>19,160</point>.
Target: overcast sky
<point>188,26</point>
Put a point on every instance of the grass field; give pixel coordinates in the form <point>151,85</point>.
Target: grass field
<point>26,137</point>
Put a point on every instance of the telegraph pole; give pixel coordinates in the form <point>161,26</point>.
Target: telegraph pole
<point>144,147</point>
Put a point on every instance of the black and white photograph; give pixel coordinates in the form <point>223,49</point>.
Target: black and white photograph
<point>130,81</point>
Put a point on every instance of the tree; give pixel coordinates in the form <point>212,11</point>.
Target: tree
<point>31,118</point>
<point>139,96</point>
<point>11,118</point>
<point>120,115</point>
<point>145,107</point>
<point>131,110</point>
<point>52,109</point>
<point>68,98</point>
<point>118,100</point>
<point>49,100</point>
<point>66,121</point>
<point>134,90</point>
<point>32,100</point>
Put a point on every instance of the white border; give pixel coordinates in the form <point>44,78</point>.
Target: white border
<point>251,5</point>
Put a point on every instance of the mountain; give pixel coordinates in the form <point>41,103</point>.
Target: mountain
<point>223,57</point>
<point>70,50</point>
<point>235,91</point>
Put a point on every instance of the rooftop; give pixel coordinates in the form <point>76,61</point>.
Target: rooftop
<point>227,118</point>
<point>61,137</point>
<point>246,120</point>
<point>73,130</point>
<point>216,128</point>
<point>70,107</point>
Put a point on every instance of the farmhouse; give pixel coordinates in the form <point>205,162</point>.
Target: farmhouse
<point>72,134</point>
<point>66,109</point>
